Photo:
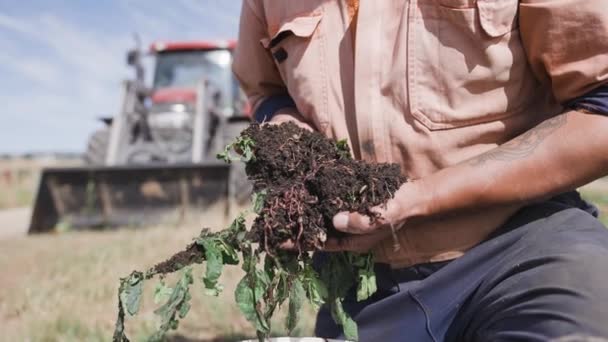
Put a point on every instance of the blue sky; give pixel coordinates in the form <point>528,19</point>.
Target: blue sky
<point>62,62</point>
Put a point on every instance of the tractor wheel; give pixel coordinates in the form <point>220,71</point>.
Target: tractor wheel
<point>241,187</point>
<point>97,147</point>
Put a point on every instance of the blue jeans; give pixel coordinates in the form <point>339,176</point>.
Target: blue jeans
<point>543,275</point>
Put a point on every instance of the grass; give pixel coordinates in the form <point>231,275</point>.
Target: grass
<point>19,191</point>
<point>600,199</point>
<point>19,179</point>
<point>63,287</point>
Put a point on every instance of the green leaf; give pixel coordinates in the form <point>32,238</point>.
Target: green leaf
<point>131,292</point>
<point>316,290</point>
<point>185,306</point>
<point>339,276</point>
<point>213,271</point>
<point>367,285</point>
<point>238,225</point>
<point>246,145</point>
<point>282,292</point>
<point>250,259</point>
<point>178,304</point>
<point>229,254</point>
<point>225,156</point>
<point>365,274</point>
<point>258,201</point>
<point>343,149</point>
<point>296,299</point>
<point>242,144</point>
<point>342,144</point>
<point>248,299</point>
<point>161,292</point>
<point>349,326</point>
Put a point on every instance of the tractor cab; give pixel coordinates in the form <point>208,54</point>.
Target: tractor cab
<point>193,107</point>
<point>186,75</point>
<point>181,66</point>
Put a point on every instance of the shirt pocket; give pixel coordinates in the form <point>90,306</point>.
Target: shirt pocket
<point>466,64</point>
<point>297,48</point>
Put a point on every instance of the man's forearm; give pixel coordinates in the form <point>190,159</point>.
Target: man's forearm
<point>559,154</point>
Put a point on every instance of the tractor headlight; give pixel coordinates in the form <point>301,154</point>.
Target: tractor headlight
<point>172,131</point>
<point>179,107</point>
<point>170,120</point>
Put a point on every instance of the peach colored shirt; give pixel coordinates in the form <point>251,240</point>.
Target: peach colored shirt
<point>429,83</point>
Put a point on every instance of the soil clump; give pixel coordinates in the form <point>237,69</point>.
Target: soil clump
<point>307,179</point>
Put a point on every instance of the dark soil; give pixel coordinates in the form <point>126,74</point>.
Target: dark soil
<point>193,254</point>
<point>308,179</point>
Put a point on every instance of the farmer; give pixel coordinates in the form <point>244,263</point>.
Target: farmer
<point>496,111</point>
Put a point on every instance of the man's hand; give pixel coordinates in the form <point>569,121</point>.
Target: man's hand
<point>560,154</point>
<point>365,233</point>
<point>289,115</point>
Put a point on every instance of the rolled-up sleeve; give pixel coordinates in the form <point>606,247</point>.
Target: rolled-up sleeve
<point>253,65</point>
<point>566,42</point>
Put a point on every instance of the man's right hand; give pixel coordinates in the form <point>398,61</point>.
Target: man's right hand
<point>290,115</point>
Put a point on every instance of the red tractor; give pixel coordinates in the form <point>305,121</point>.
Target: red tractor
<point>156,157</point>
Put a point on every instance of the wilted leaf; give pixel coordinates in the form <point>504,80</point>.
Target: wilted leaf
<point>367,285</point>
<point>131,292</point>
<point>119,327</point>
<point>366,277</point>
<point>296,299</point>
<point>185,305</point>
<point>282,288</point>
<point>315,288</point>
<point>349,326</point>
<point>258,201</point>
<point>250,259</point>
<point>238,225</point>
<point>214,264</point>
<point>229,254</point>
<point>248,299</point>
<point>178,303</point>
<point>338,274</point>
<point>161,292</point>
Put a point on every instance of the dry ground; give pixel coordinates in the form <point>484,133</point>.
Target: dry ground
<point>14,222</point>
<point>63,287</point>
<point>19,179</point>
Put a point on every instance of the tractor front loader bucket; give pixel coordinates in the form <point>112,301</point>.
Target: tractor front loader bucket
<point>102,197</point>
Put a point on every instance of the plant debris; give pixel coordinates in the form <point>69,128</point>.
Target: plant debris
<point>301,180</point>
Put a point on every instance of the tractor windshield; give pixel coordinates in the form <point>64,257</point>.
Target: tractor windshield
<point>186,68</point>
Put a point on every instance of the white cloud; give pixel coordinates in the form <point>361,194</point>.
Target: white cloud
<point>14,24</point>
<point>36,69</point>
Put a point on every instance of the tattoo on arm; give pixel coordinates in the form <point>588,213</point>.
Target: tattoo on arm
<point>523,145</point>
